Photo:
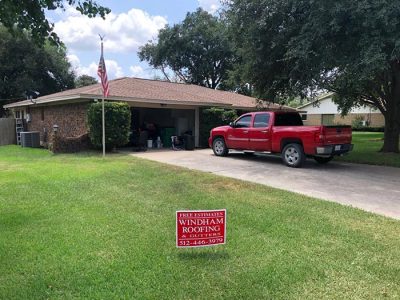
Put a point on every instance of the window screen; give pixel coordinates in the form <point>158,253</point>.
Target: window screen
<point>261,120</point>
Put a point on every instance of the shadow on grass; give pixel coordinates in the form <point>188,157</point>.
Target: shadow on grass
<point>204,255</point>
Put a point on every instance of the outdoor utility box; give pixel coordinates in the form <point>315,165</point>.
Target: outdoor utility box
<point>30,139</point>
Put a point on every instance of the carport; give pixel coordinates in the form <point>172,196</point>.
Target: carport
<point>167,120</point>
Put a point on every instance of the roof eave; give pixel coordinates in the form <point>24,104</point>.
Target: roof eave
<point>114,98</point>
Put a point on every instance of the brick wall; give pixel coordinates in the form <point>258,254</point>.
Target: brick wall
<point>70,118</point>
<point>377,120</point>
<point>313,120</point>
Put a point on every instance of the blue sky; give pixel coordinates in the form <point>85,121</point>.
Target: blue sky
<point>130,25</point>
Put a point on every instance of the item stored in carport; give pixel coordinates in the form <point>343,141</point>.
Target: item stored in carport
<point>189,141</point>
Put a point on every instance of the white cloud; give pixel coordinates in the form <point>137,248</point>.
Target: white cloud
<point>124,32</point>
<point>136,71</point>
<point>210,5</point>
<point>113,69</point>
<point>74,60</point>
<point>139,72</point>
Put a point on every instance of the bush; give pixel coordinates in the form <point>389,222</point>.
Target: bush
<point>370,129</point>
<point>117,119</point>
<point>357,123</point>
<point>70,144</point>
<point>213,117</point>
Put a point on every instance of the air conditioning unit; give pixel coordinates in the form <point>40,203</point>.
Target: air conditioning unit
<point>30,139</point>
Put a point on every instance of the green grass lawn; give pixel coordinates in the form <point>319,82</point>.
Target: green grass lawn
<point>78,226</point>
<point>366,150</point>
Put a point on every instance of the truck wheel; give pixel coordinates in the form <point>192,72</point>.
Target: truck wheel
<point>293,155</point>
<point>219,147</point>
<point>323,160</point>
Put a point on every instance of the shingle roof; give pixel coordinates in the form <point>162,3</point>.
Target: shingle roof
<point>145,90</point>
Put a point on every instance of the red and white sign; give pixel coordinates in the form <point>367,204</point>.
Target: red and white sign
<point>200,228</point>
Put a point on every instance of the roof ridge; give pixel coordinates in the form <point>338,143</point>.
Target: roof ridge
<point>158,80</point>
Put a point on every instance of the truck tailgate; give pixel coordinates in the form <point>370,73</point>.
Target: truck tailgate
<point>337,134</point>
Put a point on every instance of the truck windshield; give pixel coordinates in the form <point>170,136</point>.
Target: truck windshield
<point>288,120</point>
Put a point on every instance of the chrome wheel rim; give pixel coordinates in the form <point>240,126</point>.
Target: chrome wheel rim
<point>292,155</point>
<point>219,147</point>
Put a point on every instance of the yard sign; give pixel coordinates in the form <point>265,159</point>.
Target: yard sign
<point>200,228</point>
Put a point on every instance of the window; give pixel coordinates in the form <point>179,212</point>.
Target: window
<point>42,114</point>
<point>288,119</point>
<point>304,117</point>
<point>17,114</point>
<point>243,122</point>
<point>261,120</point>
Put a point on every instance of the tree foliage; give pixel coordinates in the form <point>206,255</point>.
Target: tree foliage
<point>24,66</point>
<point>198,50</point>
<point>85,80</point>
<point>293,47</point>
<point>117,119</point>
<point>30,15</point>
<point>213,117</point>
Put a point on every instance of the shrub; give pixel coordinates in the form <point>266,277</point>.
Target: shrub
<point>213,117</point>
<point>370,129</point>
<point>357,123</point>
<point>70,144</point>
<point>117,119</point>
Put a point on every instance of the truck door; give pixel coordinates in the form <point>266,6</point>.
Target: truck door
<point>238,135</point>
<point>260,133</point>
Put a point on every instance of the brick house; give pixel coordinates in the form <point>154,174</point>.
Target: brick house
<point>173,105</point>
<point>324,111</point>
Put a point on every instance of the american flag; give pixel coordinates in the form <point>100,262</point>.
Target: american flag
<point>102,72</point>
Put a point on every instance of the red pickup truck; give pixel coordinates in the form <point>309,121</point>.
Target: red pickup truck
<point>281,132</point>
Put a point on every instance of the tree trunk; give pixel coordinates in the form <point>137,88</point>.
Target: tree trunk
<point>392,114</point>
<point>392,132</point>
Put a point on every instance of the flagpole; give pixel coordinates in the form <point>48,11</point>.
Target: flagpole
<point>103,121</point>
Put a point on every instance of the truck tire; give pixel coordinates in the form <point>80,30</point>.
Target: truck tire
<point>323,160</point>
<point>293,155</point>
<point>219,147</point>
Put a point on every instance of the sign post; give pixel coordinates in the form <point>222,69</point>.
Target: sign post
<point>200,228</point>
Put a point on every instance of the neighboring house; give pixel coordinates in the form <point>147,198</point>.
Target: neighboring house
<point>165,104</point>
<point>324,111</point>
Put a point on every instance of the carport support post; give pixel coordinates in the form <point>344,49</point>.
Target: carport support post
<point>103,126</point>
<point>197,126</point>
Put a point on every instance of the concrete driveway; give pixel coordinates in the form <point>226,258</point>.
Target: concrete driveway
<point>372,188</point>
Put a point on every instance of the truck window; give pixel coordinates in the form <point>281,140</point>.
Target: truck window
<point>261,120</point>
<point>243,122</point>
<point>288,120</point>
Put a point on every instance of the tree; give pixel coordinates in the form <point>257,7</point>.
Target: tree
<point>85,80</point>
<point>352,48</point>
<point>197,50</point>
<point>30,15</point>
<point>24,66</point>
<point>118,123</point>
